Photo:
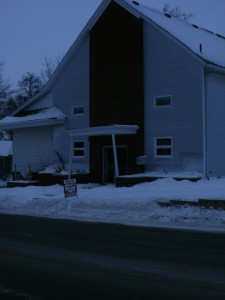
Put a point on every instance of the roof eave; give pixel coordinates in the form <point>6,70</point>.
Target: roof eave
<point>31,123</point>
<point>27,103</point>
<point>214,68</point>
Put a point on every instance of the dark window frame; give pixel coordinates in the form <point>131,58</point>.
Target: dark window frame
<point>162,101</point>
<point>79,149</point>
<point>163,147</point>
<point>78,113</point>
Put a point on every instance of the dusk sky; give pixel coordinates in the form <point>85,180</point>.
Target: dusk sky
<point>31,29</point>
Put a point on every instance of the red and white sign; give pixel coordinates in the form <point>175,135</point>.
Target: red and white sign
<point>70,188</point>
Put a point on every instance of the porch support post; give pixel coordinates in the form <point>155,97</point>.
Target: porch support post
<point>115,155</point>
<point>71,156</point>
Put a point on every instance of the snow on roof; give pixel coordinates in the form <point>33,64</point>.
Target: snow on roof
<point>45,116</point>
<point>206,44</point>
<point>5,148</point>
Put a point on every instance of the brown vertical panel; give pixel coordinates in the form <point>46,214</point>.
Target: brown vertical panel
<point>116,83</point>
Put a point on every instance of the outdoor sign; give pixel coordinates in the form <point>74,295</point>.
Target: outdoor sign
<point>70,188</point>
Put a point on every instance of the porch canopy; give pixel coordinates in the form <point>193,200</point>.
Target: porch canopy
<point>112,130</point>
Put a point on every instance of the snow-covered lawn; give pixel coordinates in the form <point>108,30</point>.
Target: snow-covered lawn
<point>137,205</point>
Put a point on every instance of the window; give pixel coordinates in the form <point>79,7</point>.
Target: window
<point>78,110</point>
<point>163,147</point>
<point>162,101</point>
<point>78,149</point>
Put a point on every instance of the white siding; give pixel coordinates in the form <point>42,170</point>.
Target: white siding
<point>72,89</point>
<point>32,146</point>
<point>170,70</point>
<point>215,118</point>
<point>38,146</point>
<point>45,102</point>
<point>61,142</point>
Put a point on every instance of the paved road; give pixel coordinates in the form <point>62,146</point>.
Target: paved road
<point>58,259</point>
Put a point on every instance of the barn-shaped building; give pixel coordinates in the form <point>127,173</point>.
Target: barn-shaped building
<point>137,91</point>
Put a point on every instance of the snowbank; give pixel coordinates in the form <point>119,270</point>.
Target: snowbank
<point>137,205</point>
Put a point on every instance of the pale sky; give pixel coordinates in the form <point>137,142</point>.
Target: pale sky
<point>33,29</point>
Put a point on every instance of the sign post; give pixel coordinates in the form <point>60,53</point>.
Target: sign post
<point>70,188</point>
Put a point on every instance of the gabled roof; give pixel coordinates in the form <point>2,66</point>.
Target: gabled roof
<point>208,46</point>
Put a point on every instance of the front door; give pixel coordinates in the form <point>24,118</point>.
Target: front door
<point>108,163</point>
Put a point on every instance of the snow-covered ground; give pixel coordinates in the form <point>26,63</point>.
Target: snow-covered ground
<point>137,205</point>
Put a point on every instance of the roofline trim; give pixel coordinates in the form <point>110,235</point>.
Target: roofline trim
<point>213,68</point>
<point>31,123</point>
<point>104,130</point>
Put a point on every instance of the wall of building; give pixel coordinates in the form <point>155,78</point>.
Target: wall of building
<point>72,89</point>
<point>171,70</point>
<point>116,83</point>
<point>120,67</point>
<point>33,146</point>
<point>215,118</point>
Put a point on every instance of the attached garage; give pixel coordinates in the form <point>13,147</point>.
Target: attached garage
<point>33,148</point>
<point>33,138</point>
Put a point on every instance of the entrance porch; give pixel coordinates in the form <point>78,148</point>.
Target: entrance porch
<point>113,157</point>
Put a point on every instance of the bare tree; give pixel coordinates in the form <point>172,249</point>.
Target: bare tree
<point>29,85</point>
<point>5,135</point>
<point>5,91</point>
<point>48,67</point>
<point>177,13</point>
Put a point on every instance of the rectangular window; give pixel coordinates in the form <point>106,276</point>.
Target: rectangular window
<point>163,147</point>
<point>78,110</point>
<point>78,149</point>
<point>162,101</point>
